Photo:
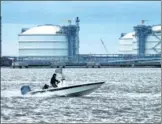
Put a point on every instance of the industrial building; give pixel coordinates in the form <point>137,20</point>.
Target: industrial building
<point>53,45</point>
<point>50,40</point>
<point>145,40</point>
<point>43,40</point>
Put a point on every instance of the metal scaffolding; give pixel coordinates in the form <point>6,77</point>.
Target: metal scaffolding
<point>72,33</point>
<point>142,32</point>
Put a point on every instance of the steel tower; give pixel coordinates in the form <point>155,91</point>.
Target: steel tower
<point>142,32</point>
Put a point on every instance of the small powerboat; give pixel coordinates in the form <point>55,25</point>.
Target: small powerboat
<point>75,90</point>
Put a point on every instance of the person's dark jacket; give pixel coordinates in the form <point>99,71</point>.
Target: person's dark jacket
<point>54,81</point>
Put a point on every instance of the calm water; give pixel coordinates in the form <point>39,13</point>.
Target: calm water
<point>129,95</point>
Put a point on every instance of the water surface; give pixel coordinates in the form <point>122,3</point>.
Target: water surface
<point>129,95</point>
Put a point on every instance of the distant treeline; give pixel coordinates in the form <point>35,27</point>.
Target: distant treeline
<point>5,61</point>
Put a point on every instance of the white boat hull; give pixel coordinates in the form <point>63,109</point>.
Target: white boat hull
<point>76,90</point>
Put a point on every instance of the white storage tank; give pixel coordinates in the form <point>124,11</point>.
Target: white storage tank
<point>153,42</point>
<point>43,40</point>
<point>156,28</point>
<point>129,45</point>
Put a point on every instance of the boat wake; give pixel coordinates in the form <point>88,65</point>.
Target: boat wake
<point>11,93</point>
<point>17,93</point>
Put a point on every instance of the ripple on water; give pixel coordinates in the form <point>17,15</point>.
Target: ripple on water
<point>130,95</point>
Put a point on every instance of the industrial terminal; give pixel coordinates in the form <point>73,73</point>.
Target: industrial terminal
<point>54,46</point>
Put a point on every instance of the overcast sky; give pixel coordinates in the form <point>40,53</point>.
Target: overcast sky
<point>98,20</point>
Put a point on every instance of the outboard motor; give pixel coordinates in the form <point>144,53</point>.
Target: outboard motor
<point>45,86</point>
<point>25,89</point>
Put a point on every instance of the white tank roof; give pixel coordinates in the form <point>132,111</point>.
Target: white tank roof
<point>128,35</point>
<point>43,29</point>
<point>156,28</point>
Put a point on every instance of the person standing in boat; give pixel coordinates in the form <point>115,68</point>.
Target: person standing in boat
<point>59,71</point>
<point>54,81</point>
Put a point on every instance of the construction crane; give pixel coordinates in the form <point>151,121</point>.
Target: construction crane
<point>104,46</point>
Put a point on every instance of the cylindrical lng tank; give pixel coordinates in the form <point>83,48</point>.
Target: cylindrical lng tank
<point>128,43</point>
<point>43,41</point>
<point>153,42</point>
